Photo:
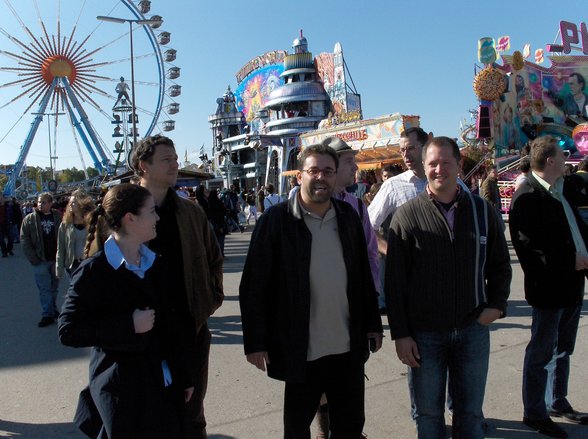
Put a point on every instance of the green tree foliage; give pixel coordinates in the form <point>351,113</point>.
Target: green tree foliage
<point>36,176</point>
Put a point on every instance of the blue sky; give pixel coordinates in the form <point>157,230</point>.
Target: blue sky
<point>408,57</point>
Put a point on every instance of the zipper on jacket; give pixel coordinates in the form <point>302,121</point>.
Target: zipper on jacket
<point>452,238</point>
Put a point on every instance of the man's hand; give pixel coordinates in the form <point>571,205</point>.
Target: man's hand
<point>488,315</point>
<point>258,359</point>
<point>378,338</point>
<point>408,352</point>
<point>382,243</point>
<point>581,262</point>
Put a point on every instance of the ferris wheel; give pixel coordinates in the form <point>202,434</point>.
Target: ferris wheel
<point>61,64</point>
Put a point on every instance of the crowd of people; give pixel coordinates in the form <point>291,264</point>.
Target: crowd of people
<point>444,278</point>
<point>144,266</point>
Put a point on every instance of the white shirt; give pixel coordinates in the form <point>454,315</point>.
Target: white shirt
<point>393,193</point>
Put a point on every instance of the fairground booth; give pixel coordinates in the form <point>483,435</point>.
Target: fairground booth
<point>529,93</point>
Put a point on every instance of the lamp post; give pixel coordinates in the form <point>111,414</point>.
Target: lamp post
<point>52,154</point>
<point>139,22</point>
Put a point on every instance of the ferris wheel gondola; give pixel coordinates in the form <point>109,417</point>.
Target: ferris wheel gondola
<point>72,75</point>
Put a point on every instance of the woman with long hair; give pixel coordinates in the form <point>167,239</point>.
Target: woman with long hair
<point>139,371</point>
<point>71,237</point>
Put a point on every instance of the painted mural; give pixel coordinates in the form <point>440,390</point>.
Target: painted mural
<point>528,99</point>
<point>330,69</point>
<point>548,99</point>
<point>253,92</point>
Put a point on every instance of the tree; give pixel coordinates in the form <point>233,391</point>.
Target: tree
<point>92,172</point>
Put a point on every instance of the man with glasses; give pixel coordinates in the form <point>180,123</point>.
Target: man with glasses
<point>396,191</point>
<point>308,302</point>
<point>39,243</point>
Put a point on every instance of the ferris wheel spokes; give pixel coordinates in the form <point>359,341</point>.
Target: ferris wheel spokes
<point>84,119</point>
<point>10,186</point>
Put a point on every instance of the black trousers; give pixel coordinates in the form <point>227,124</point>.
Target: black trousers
<point>341,378</point>
<point>194,420</point>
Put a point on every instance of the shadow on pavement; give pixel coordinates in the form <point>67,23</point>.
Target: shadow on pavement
<point>225,330</point>
<point>22,343</point>
<point>220,436</point>
<point>40,431</point>
<point>503,429</point>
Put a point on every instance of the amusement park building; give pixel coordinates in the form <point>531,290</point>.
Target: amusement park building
<point>280,105</point>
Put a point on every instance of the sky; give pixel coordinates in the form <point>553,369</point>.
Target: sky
<point>413,58</point>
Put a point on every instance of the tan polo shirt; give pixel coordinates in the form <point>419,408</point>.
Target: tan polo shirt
<point>329,307</point>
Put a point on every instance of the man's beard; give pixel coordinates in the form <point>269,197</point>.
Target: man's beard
<point>322,196</point>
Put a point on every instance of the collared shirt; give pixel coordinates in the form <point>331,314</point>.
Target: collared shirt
<point>393,193</point>
<point>115,258</point>
<point>556,191</point>
<point>448,214</point>
<point>328,332</point>
<point>370,236</point>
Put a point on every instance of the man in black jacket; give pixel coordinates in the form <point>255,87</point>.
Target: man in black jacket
<point>308,301</point>
<point>549,238</point>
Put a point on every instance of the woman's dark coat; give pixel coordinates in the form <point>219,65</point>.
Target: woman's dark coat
<point>126,397</point>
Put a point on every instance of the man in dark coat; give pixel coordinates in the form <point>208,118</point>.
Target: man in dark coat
<point>549,238</point>
<point>308,302</point>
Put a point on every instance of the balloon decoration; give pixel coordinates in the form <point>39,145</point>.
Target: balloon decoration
<point>486,50</point>
<point>580,137</point>
<point>517,60</point>
<point>489,84</point>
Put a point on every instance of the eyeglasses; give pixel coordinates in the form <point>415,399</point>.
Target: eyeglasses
<point>408,148</point>
<point>314,172</point>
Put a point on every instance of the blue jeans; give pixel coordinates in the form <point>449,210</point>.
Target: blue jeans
<point>47,283</point>
<point>547,360</point>
<point>463,355</point>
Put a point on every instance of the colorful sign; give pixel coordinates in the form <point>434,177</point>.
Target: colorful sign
<point>269,58</point>
<point>253,92</point>
<point>380,132</point>
<point>486,50</point>
<point>570,35</point>
<point>503,43</point>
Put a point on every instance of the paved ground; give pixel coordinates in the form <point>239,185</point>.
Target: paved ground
<point>40,379</point>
